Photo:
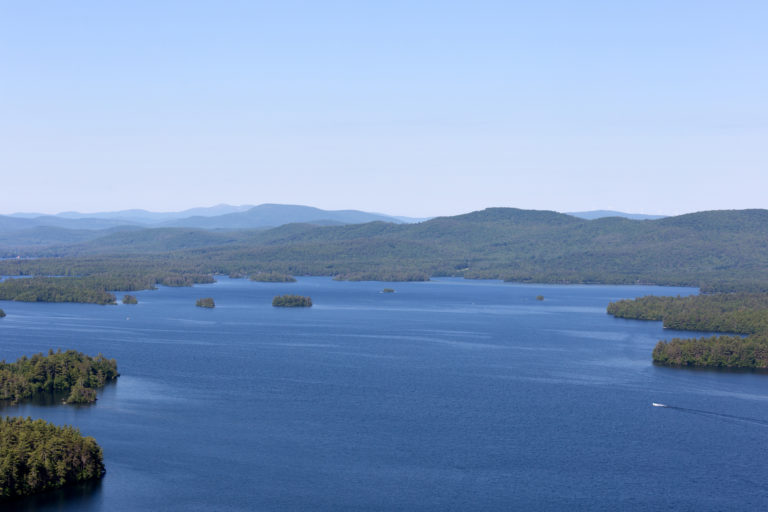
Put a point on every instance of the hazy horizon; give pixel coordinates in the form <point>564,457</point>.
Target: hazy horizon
<point>392,214</point>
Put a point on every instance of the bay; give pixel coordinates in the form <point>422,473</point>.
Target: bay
<point>445,395</point>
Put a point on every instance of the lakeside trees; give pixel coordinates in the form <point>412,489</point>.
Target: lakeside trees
<point>742,313</point>
<point>738,313</point>
<point>37,456</point>
<point>55,289</point>
<point>714,352</point>
<point>272,277</point>
<point>90,289</point>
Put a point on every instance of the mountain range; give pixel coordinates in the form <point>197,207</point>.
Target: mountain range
<point>717,250</point>
<point>215,217</point>
<point>222,217</point>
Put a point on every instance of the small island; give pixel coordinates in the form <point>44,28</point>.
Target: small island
<point>2,313</point>
<point>130,299</point>
<point>206,302</point>
<point>272,277</point>
<point>388,290</point>
<point>539,297</point>
<point>39,456</point>
<point>69,371</point>
<point>292,301</point>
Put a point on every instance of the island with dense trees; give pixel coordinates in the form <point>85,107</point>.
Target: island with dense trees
<point>292,301</point>
<point>130,299</point>
<point>37,456</point>
<point>744,314</point>
<point>206,302</point>
<point>74,372</point>
<point>2,313</point>
<point>272,277</point>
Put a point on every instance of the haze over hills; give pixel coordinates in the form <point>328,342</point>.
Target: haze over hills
<point>273,215</point>
<point>599,214</point>
<point>138,216</point>
<point>215,217</point>
<point>714,249</point>
<point>225,216</point>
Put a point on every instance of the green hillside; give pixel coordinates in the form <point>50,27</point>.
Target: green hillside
<point>717,250</point>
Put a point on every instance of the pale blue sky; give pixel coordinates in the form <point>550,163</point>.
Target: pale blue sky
<point>410,108</point>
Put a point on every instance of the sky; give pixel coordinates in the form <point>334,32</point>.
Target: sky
<point>408,108</point>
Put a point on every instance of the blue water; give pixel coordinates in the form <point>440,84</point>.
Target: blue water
<point>446,395</point>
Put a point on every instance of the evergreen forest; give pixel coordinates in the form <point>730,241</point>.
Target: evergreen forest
<point>74,372</point>
<point>37,456</point>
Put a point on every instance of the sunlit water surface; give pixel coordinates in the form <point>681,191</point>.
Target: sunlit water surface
<point>446,395</point>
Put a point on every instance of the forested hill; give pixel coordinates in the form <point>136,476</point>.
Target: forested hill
<point>720,250</point>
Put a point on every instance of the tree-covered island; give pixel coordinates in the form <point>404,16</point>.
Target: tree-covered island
<point>2,313</point>
<point>71,371</point>
<point>737,313</point>
<point>206,302</point>
<point>37,456</point>
<point>292,301</point>
<point>130,299</point>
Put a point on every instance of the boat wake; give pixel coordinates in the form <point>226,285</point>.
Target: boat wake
<point>712,414</point>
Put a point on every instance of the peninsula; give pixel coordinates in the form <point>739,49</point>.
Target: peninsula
<point>743,315</point>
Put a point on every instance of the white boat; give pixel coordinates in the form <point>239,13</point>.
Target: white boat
<point>657,405</point>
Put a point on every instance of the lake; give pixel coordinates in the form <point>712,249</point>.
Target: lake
<point>445,395</point>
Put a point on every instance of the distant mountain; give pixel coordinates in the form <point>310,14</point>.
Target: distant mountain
<point>146,217</point>
<point>412,220</point>
<point>222,216</point>
<point>273,215</point>
<point>599,214</point>
<point>24,240</point>
<point>10,224</point>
